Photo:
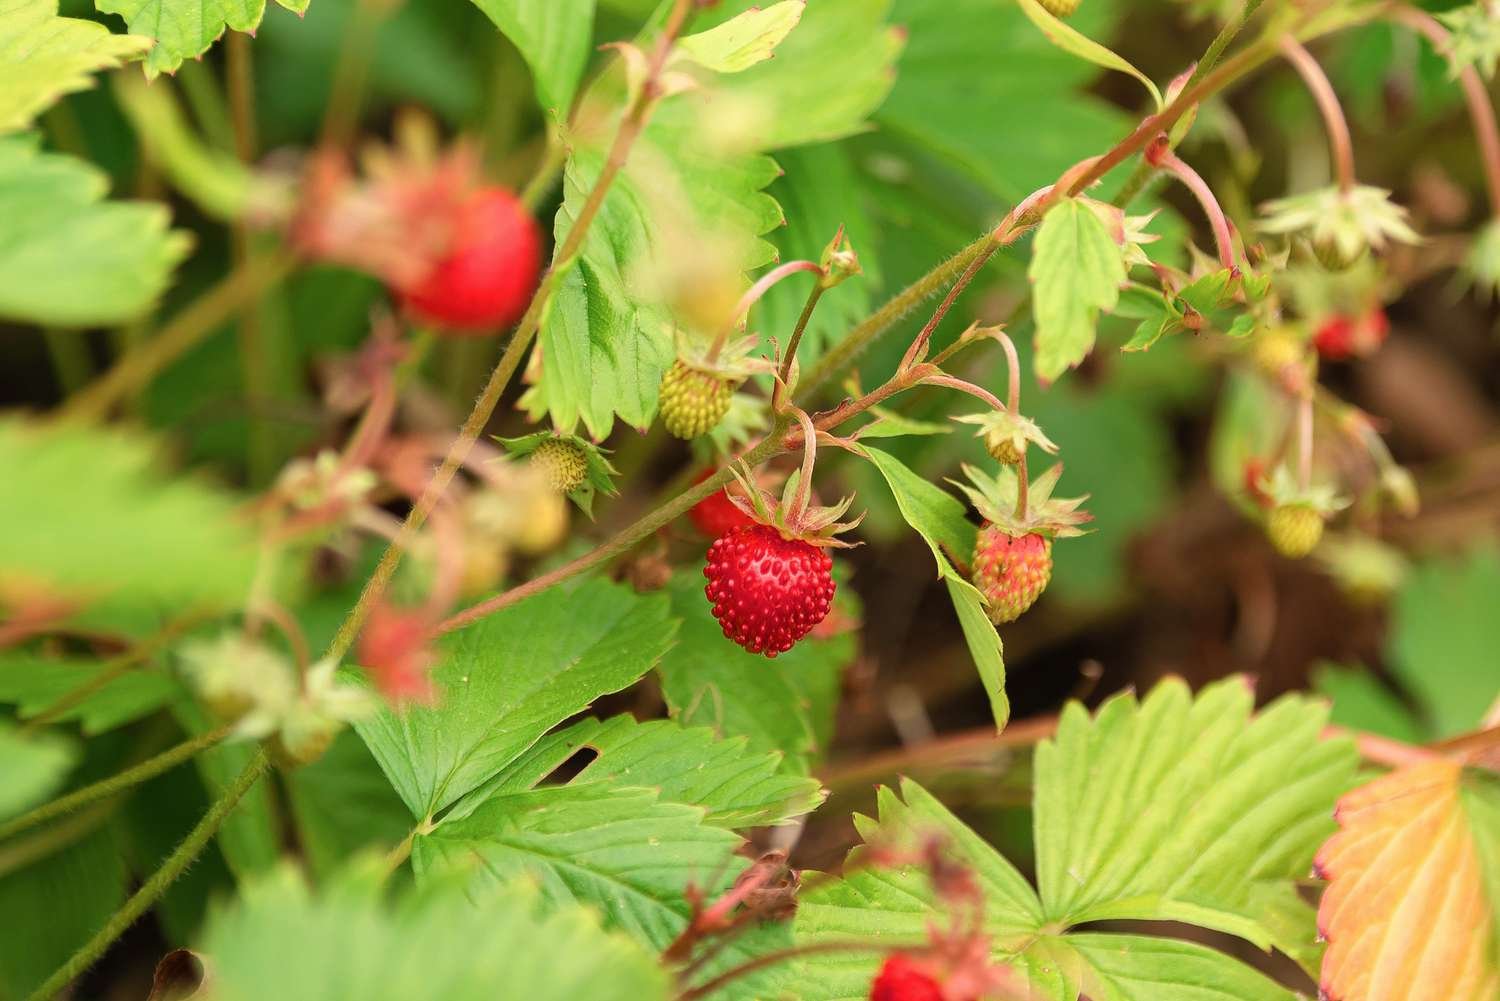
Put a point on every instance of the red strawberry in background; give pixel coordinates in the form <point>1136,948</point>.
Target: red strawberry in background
<point>770,582</point>
<point>485,280</point>
<point>1343,336</point>
<point>902,978</point>
<point>716,514</point>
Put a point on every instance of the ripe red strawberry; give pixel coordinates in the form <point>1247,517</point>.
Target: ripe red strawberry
<point>489,273</point>
<point>394,649</point>
<point>1011,571</point>
<point>1342,336</point>
<point>716,514</point>
<point>767,591</point>
<point>1013,551</point>
<point>902,978</point>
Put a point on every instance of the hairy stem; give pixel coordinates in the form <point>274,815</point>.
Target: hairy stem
<point>1013,372</point>
<point>157,884</point>
<point>753,295</point>
<point>1340,145</point>
<point>789,356</point>
<point>1194,182</point>
<point>148,769</point>
<point>182,333</point>
<point>629,131</point>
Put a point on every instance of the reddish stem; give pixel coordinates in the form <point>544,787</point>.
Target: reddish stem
<point>1481,108</point>
<point>1340,146</point>
<point>1161,155</point>
<point>1013,364</point>
<point>953,382</point>
<point>752,296</point>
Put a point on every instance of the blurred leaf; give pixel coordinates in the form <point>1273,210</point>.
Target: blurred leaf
<point>43,56</point>
<point>784,705</point>
<point>348,944</point>
<point>1076,270</point>
<point>1443,640</point>
<point>553,36</point>
<point>1169,809</point>
<point>1361,702</point>
<point>508,679</point>
<point>184,29</point>
<point>34,765</point>
<point>744,40</point>
<point>1407,912</point>
<point>33,683</point>
<point>1074,42</point>
<point>101,523</point>
<point>939,518</point>
<point>67,257</point>
<point>736,787</point>
<point>54,906</point>
<point>1012,130</point>
<point>249,837</point>
<point>343,805</point>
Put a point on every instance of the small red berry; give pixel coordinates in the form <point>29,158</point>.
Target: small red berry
<point>902,978</point>
<point>1342,336</point>
<point>486,279</point>
<point>716,514</point>
<point>394,649</point>
<point>1011,571</point>
<point>767,591</point>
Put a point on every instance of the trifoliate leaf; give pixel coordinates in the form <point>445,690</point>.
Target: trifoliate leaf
<point>343,805</point>
<point>742,41</point>
<point>939,518</point>
<point>507,679</point>
<point>43,56</point>
<point>1201,824</point>
<point>784,705</point>
<point>1076,270</point>
<point>738,787</point>
<point>1073,41</point>
<point>1409,913</point>
<point>97,522</point>
<point>347,942</point>
<point>184,29</point>
<point>67,257</point>
<point>553,37</point>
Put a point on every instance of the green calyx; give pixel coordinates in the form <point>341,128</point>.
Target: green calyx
<point>997,499</point>
<point>1006,435</point>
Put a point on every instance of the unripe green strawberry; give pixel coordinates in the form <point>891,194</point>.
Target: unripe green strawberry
<point>1060,8</point>
<point>1333,255</point>
<point>693,401</point>
<point>562,463</point>
<point>1011,571</point>
<point>1002,449</point>
<point>1294,529</point>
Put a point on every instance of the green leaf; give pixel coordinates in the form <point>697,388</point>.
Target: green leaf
<point>68,258</point>
<point>1076,269</point>
<point>553,37</point>
<point>803,96</point>
<point>33,683</point>
<point>744,40</point>
<point>508,679</point>
<point>184,29</point>
<point>343,805</point>
<point>348,944</point>
<point>35,766</point>
<point>686,765</point>
<point>1361,702</point>
<point>783,705</point>
<point>939,518</point>
<point>1443,640</point>
<point>1171,809</point>
<point>43,57</point>
<point>1010,131</point>
<point>55,905</point>
<point>1174,808</point>
<point>1074,42</point>
<point>102,523</point>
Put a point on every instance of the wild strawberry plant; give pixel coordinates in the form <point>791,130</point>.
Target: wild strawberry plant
<point>354,703</point>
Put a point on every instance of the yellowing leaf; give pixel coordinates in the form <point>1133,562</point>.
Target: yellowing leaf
<point>743,40</point>
<point>1406,913</point>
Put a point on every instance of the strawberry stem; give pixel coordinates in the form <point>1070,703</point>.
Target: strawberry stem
<point>1340,146</point>
<point>804,483</point>
<point>1013,366</point>
<point>1162,156</point>
<point>752,296</point>
<point>1023,487</point>
<point>789,356</point>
